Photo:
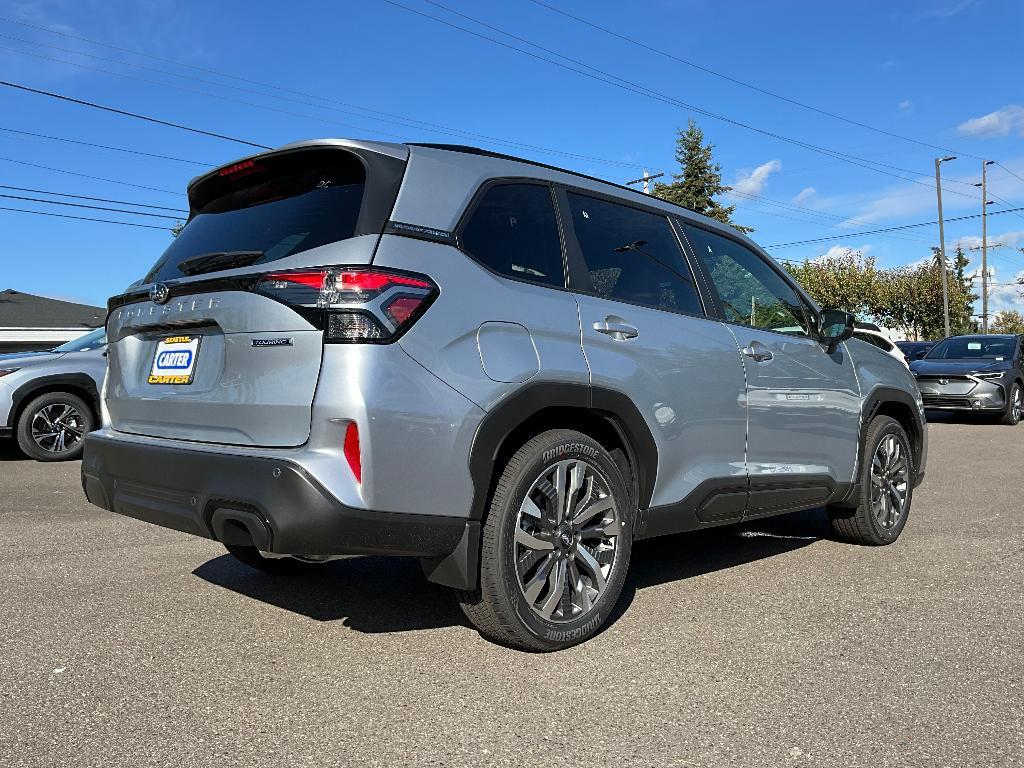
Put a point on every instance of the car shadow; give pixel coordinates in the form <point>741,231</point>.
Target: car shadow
<point>9,451</point>
<point>375,594</point>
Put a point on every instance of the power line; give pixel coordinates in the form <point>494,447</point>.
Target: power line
<point>87,176</point>
<point>737,81</point>
<point>387,117</point>
<point>1009,171</point>
<point>85,218</point>
<point>126,113</point>
<point>890,229</point>
<point>105,146</point>
<point>96,199</point>
<point>91,207</point>
<point>628,85</point>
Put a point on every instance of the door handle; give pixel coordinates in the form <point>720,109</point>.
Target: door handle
<point>758,352</point>
<point>618,331</point>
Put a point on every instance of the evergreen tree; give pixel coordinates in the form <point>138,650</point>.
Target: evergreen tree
<point>699,181</point>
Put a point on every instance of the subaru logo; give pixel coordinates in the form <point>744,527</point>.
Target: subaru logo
<point>943,382</point>
<point>160,293</point>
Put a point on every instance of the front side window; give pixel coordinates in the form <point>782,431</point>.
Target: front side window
<point>752,293</point>
<point>91,340</point>
<point>514,232</point>
<point>632,255</point>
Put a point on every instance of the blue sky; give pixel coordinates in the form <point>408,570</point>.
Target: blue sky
<point>942,72</point>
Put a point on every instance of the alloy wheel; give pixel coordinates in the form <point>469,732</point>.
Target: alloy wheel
<point>57,427</point>
<point>890,482</point>
<point>1018,403</point>
<point>566,536</point>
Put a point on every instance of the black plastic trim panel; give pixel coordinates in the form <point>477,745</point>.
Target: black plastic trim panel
<point>532,399</point>
<point>719,501</point>
<point>199,491</point>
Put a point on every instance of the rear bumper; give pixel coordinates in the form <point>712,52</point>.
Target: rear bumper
<point>269,503</point>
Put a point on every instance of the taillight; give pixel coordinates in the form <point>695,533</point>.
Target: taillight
<point>353,304</point>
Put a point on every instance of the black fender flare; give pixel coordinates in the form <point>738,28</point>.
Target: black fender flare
<point>79,381</point>
<point>617,407</point>
<point>878,397</point>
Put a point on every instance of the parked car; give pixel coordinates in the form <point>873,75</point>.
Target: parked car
<point>876,337</point>
<point>508,370</point>
<point>982,374</point>
<point>49,400</point>
<point>914,350</point>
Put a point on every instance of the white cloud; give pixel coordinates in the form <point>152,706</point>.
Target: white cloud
<point>946,9</point>
<point>906,106</point>
<point>754,182</point>
<point>806,195</point>
<point>1002,122</point>
<point>841,250</point>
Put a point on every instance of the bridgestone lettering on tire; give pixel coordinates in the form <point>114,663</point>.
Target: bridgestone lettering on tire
<point>556,545</point>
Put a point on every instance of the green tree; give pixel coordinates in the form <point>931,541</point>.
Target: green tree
<point>847,281</point>
<point>699,180</point>
<point>1008,321</point>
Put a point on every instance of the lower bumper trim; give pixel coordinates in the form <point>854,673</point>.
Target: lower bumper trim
<point>281,507</point>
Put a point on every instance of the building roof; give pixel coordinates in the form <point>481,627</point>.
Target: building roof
<point>26,310</point>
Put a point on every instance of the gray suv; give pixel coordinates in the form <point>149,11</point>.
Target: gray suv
<point>50,400</point>
<point>507,370</point>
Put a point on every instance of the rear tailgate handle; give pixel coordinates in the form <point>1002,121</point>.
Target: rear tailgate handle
<point>618,331</point>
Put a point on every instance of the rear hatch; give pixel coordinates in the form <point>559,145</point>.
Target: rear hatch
<point>202,350</point>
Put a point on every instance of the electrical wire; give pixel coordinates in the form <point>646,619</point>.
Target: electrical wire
<point>890,229</point>
<point>95,199</point>
<point>87,176</point>
<point>91,207</point>
<point>85,218</point>
<point>125,113</point>
<point>743,83</point>
<point>105,146</point>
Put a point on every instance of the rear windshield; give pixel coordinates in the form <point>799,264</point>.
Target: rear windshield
<point>263,210</point>
<point>974,347</point>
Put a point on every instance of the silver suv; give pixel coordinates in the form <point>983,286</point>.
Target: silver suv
<point>507,370</point>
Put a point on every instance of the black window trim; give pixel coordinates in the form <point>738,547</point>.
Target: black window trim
<point>474,203</point>
<point>713,289</point>
<point>576,265</point>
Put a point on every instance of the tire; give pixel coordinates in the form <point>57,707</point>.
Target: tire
<point>1014,406</point>
<point>278,566</point>
<point>525,554</point>
<point>52,427</point>
<point>876,520</point>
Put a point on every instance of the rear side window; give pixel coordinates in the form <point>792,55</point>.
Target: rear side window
<point>263,210</point>
<point>513,231</point>
<point>631,255</point>
<point>751,291</point>
<point>873,340</point>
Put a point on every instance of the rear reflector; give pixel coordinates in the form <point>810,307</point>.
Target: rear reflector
<point>353,304</point>
<point>352,451</point>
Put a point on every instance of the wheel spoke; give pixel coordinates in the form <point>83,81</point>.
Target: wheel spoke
<point>556,588</point>
<point>560,483</point>
<point>533,587</point>
<point>530,541</point>
<point>598,507</point>
<point>592,567</point>
<point>530,508</point>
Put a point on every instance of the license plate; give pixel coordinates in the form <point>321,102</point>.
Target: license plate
<point>175,360</point>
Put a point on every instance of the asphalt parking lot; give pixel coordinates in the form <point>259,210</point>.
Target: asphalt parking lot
<point>128,645</point>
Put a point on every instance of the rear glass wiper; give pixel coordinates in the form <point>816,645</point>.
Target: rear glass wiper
<point>208,262</point>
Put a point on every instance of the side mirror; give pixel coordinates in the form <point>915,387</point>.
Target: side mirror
<point>834,327</point>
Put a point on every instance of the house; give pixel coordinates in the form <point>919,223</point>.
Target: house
<point>29,322</point>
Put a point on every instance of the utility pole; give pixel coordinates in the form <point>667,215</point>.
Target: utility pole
<point>646,179</point>
<point>984,245</point>
<point>942,241</point>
